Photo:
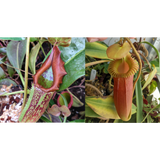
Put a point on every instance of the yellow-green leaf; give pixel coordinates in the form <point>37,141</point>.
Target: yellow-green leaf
<point>103,106</point>
<point>96,49</point>
<point>150,77</point>
<point>90,113</point>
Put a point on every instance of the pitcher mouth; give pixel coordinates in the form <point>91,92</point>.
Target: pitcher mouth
<point>124,67</point>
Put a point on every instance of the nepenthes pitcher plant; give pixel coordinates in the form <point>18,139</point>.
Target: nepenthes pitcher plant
<point>40,96</point>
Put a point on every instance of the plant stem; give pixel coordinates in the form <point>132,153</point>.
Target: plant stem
<point>146,60</point>
<point>60,118</point>
<point>21,77</point>
<point>150,112</point>
<point>41,47</point>
<point>65,118</point>
<point>96,62</point>
<point>17,92</point>
<point>26,72</point>
<point>15,68</point>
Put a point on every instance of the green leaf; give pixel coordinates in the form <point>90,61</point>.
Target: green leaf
<point>33,56</point>
<point>76,102</point>
<point>10,70</point>
<point>76,46</point>
<point>158,70</point>
<point>3,59</point>
<point>103,106</point>
<point>16,52</point>
<point>2,74</point>
<point>74,56</point>
<point>32,39</point>
<point>77,122</point>
<point>15,37</point>
<point>75,69</point>
<point>155,62</point>
<point>43,118</point>
<point>7,82</point>
<point>64,99</point>
<point>51,102</point>
<point>90,113</point>
<point>106,68</point>
<point>139,101</point>
<point>152,87</point>
<point>132,120</point>
<point>150,77</point>
<point>97,50</point>
<point>27,105</point>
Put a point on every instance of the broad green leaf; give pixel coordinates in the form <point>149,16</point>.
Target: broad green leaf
<point>33,56</point>
<point>95,49</point>
<point>77,121</point>
<point>16,52</point>
<point>2,74</point>
<point>75,69</point>
<point>15,37</point>
<point>10,70</point>
<point>76,46</point>
<point>74,66</point>
<point>103,106</point>
<point>150,77</point>
<point>96,46</point>
<point>139,101</point>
